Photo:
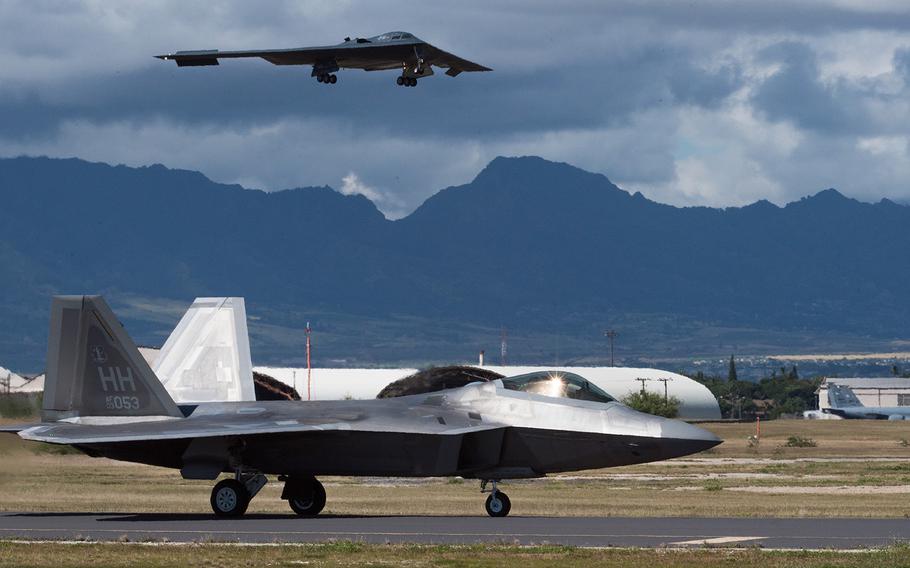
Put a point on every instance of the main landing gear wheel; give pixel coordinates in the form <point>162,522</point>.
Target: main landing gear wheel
<point>306,497</point>
<point>327,78</point>
<point>403,81</point>
<point>498,504</point>
<point>230,498</point>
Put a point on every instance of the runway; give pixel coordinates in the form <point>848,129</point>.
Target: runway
<point>577,531</point>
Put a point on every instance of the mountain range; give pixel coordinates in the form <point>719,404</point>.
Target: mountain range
<point>548,252</point>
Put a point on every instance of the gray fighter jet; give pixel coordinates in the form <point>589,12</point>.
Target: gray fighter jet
<point>102,397</point>
<point>844,403</point>
<point>393,50</point>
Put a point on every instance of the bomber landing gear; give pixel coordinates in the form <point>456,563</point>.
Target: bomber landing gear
<point>403,81</point>
<point>304,494</point>
<point>327,78</point>
<point>231,497</point>
<point>498,504</point>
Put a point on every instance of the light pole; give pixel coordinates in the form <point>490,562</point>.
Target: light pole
<point>611,334</point>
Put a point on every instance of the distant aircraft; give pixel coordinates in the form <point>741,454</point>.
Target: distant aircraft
<point>394,50</point>
<point>845,404</point>
<point>103,398</point>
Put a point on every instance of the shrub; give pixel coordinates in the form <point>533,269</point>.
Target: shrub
<point>653,403</point>
<point>800,442</point>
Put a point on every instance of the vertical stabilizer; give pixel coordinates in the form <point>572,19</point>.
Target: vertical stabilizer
<point>94,368</point>
<point>842,396</point>
<point>207,357</point>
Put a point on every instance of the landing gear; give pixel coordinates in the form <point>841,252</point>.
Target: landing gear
<point>231,497</point>
<point>403,81</point>
<point>498,503</point>
<point>305,495</point>
<point>327,78</point>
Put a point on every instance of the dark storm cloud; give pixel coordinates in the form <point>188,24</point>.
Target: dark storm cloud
<point>796,92</point>
<point>839,106</point>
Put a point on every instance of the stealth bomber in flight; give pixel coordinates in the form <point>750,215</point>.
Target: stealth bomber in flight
<point>414,57</point>
<point>103,398</point>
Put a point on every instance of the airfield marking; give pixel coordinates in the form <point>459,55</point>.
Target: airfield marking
<point>717,540</point>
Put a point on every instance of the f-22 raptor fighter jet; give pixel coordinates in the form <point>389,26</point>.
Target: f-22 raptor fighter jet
<point>393,50</point>
<point>102,398</point>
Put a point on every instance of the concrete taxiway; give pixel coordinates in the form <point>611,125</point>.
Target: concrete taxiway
<point>577,531</point>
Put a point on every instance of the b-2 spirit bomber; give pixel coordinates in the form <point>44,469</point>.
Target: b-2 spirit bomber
<point>102,398</point>
<point>393,50</point>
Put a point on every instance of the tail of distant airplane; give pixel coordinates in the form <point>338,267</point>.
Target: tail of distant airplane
<point>842,396</point>
<point>207,357</point>
<point>93,367</point>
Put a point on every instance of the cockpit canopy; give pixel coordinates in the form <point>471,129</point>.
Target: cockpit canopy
<point>391,36</point>
<point>557,384</point>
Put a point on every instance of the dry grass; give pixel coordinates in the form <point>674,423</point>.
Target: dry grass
<point>853,472</point>
<point>57,555</point>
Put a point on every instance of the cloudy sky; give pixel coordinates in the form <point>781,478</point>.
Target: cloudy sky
<point>699,102</point>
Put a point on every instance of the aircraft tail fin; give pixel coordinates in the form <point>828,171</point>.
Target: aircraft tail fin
<point>94,368</point>
<point>207,357</point>
<point>842,396</point>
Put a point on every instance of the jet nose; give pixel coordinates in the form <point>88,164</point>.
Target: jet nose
<point>681,438</point>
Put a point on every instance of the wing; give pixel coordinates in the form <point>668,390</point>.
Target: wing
<point>295,56</point>
<point>453,63</point>
<point>246,422</point>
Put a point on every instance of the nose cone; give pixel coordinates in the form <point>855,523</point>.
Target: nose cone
<point>680,438</point>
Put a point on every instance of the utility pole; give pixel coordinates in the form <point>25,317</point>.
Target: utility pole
<point>666,380</point>
<point>611,334</point>
<point>309,368</point>
<point>503,347</point>
<point>643,381</point>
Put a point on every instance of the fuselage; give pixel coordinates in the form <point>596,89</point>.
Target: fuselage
<point>528,435</point>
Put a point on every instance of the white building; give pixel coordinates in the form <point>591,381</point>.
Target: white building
<point>12,383</point>
<point>889,391</point>
<point>696,401</point>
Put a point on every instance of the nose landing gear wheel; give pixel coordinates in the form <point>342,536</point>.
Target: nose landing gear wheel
<point>229,498</point>
<point>307,500</point>
<point>498,504</point>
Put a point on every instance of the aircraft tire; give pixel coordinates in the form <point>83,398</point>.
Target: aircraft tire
<point>320,78</point>
<point>309,505</point>
<point>412,82</point>
<point>333,78</point>
<point>400,81</point>
<point>229,498</point>
<point>500,506</point>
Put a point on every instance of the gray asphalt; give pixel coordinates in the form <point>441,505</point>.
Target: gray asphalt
<point>578,531</point>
